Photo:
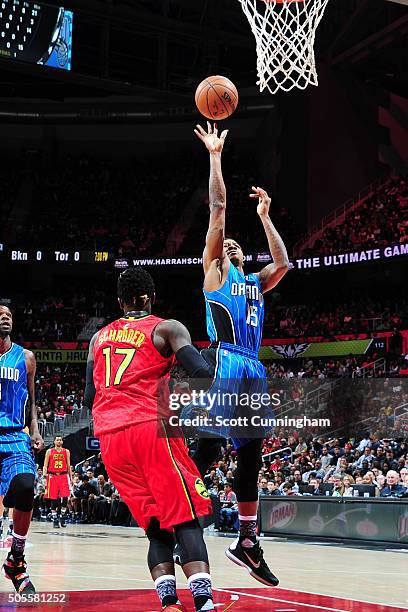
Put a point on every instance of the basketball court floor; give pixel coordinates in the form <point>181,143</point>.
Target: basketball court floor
<point>93,567</point>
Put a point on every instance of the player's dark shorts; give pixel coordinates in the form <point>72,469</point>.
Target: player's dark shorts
<point>237,373</point>
<point>154,475</point>
<point>16,457</point>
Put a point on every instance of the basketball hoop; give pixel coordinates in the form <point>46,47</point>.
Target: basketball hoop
<point>285,32</point>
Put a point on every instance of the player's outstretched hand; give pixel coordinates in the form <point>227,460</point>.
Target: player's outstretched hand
<point>212,141</point>
<point>36,441</point>
<point>264,201</point>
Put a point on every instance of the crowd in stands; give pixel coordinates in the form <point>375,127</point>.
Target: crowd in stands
<point>131,208</point>
<point>328,319</point>
<point>293,464</point>
<point>62,316</point>
<point>314,466</point>
<point>94,498</point>
<point>351,366</point>
<point>96,205</point>
<point>59,392</point>
<point>380,220</point>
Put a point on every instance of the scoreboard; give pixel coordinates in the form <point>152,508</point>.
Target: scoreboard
<point>47,256</point>
<point>36,33</point>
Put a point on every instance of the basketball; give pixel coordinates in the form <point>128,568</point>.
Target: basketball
<point>216,98</point>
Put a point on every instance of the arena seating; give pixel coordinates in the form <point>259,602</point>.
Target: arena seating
<point>379,220</point>
<point>96,205</point>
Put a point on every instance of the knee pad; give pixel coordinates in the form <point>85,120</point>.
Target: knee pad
<point>22,490</point>
<point>54,504</point>
<point>246,474</point>
<point>161,545</point>
<point>64,502</point>
<point>190,538</point>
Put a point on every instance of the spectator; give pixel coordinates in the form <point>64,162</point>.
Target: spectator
<point>348,482</point>
<point>263,487</point>
<point>338,487</point>
<point>273,488</point>
<point>87,492</point>
<point>313,482</point>
<point>229,509</point>
<point>393,488</point>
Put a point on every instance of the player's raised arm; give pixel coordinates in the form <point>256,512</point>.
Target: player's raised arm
<point>90,390</point>
<point>271,274</point>
<point>214,244</point>
<point>36,440</point>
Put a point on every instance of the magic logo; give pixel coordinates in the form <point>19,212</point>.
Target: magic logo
<point>283,514</point>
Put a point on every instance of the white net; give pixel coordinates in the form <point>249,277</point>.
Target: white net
<point>285,34</point>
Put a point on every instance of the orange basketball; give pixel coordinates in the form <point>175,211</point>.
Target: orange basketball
<point>216,98</point>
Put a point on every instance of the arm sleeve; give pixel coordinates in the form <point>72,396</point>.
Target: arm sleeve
<point>193,362</point>
<point>90,390</point>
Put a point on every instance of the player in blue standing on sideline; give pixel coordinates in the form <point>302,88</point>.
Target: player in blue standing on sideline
<point>235,313</point>
<point>17,465</point>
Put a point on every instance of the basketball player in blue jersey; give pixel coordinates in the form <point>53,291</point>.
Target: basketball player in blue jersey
<point>235,313</point>
<point>17,466</point>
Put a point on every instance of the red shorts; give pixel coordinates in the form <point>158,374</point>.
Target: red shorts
<point>57,486</point>
<point>154,475</point>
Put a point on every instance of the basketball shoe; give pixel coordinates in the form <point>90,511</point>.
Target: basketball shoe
<point>14,569</point>
<point>252,559</point>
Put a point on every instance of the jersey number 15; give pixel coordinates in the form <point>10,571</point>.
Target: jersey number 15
<point>252,317</point>
<point>128,355</point>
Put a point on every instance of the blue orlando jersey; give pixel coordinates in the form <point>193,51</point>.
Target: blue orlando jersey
<point>13,389</point>
<point>235,312</point>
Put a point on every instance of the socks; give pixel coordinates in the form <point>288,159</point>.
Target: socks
<point>200,587</point>
<point>18,545</point>
<point>247,530</point>
<point>166,589</point>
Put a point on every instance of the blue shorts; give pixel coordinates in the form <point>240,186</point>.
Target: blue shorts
<point>16,457</point>
<point>237,373</point>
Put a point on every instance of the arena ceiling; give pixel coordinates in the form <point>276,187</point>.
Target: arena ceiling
<point>154,52</point>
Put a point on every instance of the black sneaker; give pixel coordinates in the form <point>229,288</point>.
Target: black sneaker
<point>252,559</point>
<point>56,523</point>
<point>62,521</point>
<point>15,570</point>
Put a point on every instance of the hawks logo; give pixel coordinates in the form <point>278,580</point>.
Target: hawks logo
<point>201,488</point>
<point>289,351</point>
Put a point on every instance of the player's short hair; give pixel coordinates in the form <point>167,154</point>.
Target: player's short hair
<point>233,240</point>
<point>134,283</point>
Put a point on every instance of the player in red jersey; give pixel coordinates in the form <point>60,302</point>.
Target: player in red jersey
<point>129,360</point>
<point>58,473</point>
